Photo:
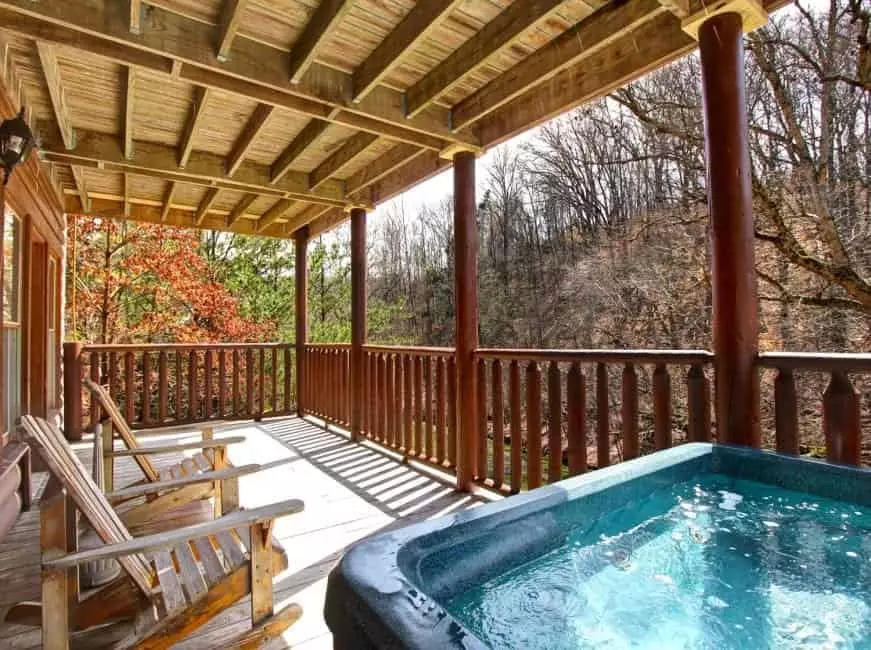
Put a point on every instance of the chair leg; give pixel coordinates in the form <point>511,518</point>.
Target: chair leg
<point>56,584</point>
<point>261,572</point>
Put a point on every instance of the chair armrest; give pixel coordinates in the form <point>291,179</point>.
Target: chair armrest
<point>181,446</point>
<point>170,539</point>
<point>133,491</point>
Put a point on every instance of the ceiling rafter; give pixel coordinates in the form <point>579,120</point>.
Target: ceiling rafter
<point>51,73</point>
<point>228,25</point>
<point>320,28</point>
<point>341,158</point>
<point>381,167</point>
<point>414,28</point>
<point>140,211</point>
<point>304,218</point>
<point>103,151</point>
<point>81,186</point>
<point>259,118</point>
<point>304,139</point>
<point>206,204</point>
<point>493,38</point>
<point>273,214</point>
<point>136,9</point>
<point>240,208</point>
<point>186,146</point>
<point>259,72</point>
<point>129,73</point>
<point>587,37</point>
<point>167,200</point>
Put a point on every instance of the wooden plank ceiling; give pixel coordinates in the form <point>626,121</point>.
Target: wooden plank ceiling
<point>264,116</point>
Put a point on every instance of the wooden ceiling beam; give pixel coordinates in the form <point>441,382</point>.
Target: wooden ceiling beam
<point>494,37</point>
<point>415,171</point>
<point>240,209</point>
<point>249,134</point>
<point>206,204</point>
<point>135,16</point>
<point>186,146</point>
<point>129,73</point>
<point>51,73</point>
<point>167,200</point>
<point>228,25</point>
<point>307,216</point>
<point>304,139</point>
<point>327,221</point>
<point>110,209</point>
<point>414,28</point>
<point>381,167</point>
<point>103,151</point>
<point>256,70</point>
<point>345,155</point>
<point>273,214</point>
<point>81,186</point>
<point>320,28</point>
<point>591,35</point>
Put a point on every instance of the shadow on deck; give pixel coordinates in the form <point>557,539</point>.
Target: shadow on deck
<point>350,491</point>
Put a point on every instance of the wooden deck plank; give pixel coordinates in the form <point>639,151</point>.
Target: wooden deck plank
<point>351,491</point>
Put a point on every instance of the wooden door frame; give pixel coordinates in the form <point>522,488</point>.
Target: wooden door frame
<point>35,366</point>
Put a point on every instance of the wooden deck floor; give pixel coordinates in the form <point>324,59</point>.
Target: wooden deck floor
<point>350,491</point>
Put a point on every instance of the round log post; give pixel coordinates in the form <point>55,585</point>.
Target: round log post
<point>73,390</point>
<point>842,421</point>
<point>301,299</point>
<point>358,316</point>
<point>733,273</point>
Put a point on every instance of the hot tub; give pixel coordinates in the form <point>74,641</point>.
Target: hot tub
<point>700,546</point>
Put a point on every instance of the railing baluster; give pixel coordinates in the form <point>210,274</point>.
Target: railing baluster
<point>603,414</point>
<point>408,405</point>
<point>222,383</point>
<point>382,402</point>
<point>208,371</point>
<point>661,407</point>
<point>235,382</point>
<point>95,377</point>
<point>842,421</point>
<point>785,413</point>
<point>498,423</point>
<point>533,426</point>
<point>417,441</point>
<point>577,433</point>
<point>129,385</point>
<point>427,408</point>
<point>249,382</point>
<point>515,408</point>
<point>390,401</point>
<point>179,383</point>
<point>146,388</point>
<point>193,387</point>
<point>629,412</point>
<point>261,384</point>
<point>274,370</point>
<point>162,388</point>
<point>368,401</point>
<point>699,405</point>
<point>481,433</point>
<point>288,375</point>
<point>554,424</point>
<point>440,409</point>
<point>113,375</point>
<point>451,378</point>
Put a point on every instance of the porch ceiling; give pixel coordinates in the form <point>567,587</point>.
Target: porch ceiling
<point>263,116</point>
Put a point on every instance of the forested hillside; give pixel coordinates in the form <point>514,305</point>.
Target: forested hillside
<point>593,232</point>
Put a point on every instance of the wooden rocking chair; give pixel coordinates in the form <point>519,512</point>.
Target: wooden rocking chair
<point>208,474</point>
<point>173,582</point>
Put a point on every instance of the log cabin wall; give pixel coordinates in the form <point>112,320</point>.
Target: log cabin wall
<point>31,259</point>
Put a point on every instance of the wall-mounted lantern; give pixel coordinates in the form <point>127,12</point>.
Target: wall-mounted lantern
<point>16,142</point>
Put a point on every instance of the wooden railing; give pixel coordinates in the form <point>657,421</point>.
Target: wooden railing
<point>840,413</point>
<point>325,392</point>
<point>536,414</point>
<point>159,385</point>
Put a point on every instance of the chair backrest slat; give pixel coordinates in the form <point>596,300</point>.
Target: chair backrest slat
<point>121,426</point>
<point>70,471</point>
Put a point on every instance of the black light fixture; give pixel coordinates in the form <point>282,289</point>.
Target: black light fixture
<point>16,142</point>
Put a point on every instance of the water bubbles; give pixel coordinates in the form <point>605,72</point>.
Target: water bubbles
<point>718,603</point>
<point>852,554</point>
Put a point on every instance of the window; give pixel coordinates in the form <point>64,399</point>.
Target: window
<point>11,371</point>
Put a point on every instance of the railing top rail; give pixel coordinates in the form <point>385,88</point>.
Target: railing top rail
<point>327,346</point>
<point>156,347</point>
<point>822,361</point>
<point>410,349</point>
<point>674,357</point>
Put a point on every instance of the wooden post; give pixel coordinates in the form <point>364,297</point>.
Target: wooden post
<point>301,271</point>
<point>358,316</point>
<point>73,390</point>
<point>733,272</point>
<point>466,279</point>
